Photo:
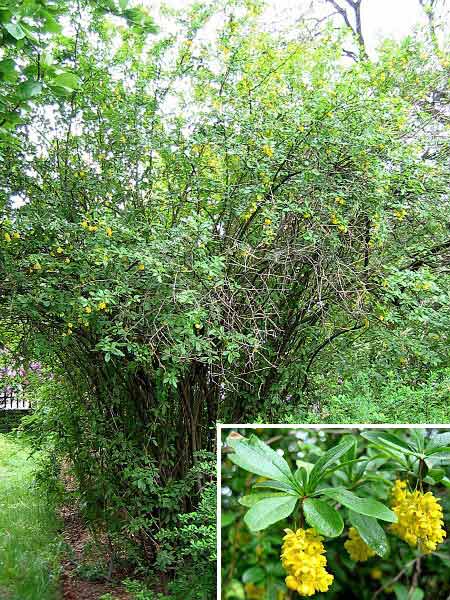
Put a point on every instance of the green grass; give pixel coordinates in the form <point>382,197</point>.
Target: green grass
<point>370,397</point>
<point>29,544</point>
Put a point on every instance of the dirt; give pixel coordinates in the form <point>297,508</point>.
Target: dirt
<point>78,538</point>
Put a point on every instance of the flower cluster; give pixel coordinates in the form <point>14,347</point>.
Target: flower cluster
<point>303,558</point>
<point>357,547</point>
<point>420,518</point>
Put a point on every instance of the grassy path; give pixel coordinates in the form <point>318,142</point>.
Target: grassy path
<point>29,545</point>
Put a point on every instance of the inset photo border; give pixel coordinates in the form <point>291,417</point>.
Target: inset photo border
<point>333,511</point>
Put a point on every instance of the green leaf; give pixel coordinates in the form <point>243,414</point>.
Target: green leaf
<point>15,30</point>
<point>67,82</point>
<point>51,25</point>
<point>437,443</point>
<point>371,532</point>
<point>227,518</point>
<point>436,474</point>
<point>250,499</point>
<point>326,460</point>
<point>253,575</point>
<point>324,518</point>
<point>269,511</point>
<point>275,485</point>
<point>234,590</point>
<point>8,70</point>
<point>301,475</point>
<point>307,466</point>
<point>403,593</point>
<point>363,506</point>
<point>439,458</point>
<point>257,457</point>
<point>29,89</point>
<point>419,438</point>
<point>387,440</point>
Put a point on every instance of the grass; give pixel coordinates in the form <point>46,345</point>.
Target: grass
<point>370,397</point>
<point>29,545</point>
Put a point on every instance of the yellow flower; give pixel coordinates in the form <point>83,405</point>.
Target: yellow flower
<point>267,221</point>
<point>420,519</point>
<point>84,224</point>
<point>357,547</point>
<point>400,214</point>
<point>141,267</point>
<point>376,573</point>
<point>7,237</point>
<point>16,235</point>
<point>303,558</point>
<point>92,227</point>
<point>59,250</point>
<point>109,231</point>
<point>88,310</point>
<point>102,305</point>
<point>37,267</point>
<point>267,151</point>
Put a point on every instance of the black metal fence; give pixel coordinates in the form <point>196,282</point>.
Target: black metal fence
<point>10,399</point>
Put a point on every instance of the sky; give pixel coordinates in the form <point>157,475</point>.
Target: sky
<point>380,18</point>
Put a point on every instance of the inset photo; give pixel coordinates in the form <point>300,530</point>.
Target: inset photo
<point>334,512</point>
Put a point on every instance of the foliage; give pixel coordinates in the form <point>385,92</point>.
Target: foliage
<point>29,545</point>
<point>10,420</point>
<point>164,271</point>
<point>340,484</point>
<point>35,55</point>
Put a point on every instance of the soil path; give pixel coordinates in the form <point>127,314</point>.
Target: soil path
<point>74,587</point>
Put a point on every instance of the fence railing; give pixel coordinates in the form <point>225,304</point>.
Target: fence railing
<point>11,400</point>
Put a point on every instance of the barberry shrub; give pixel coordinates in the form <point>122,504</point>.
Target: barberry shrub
<point>194,219</point>
<point>335,513</point>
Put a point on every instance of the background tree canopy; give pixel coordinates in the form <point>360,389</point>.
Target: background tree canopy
<point>199,227</point>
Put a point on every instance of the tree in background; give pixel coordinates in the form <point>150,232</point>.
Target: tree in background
<point>32,37</point>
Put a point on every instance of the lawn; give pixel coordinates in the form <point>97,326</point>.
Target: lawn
<point>29,545</point>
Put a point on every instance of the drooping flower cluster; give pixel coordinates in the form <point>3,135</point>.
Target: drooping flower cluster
<point>357,547</point>
<point>420,518</point>
<point>303,558</point>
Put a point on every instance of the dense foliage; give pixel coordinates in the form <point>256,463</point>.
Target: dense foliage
<point>373,496</point>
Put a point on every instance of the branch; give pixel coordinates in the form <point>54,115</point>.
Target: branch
<point>321,346</point>
<point>357,29</point>
<point>420,262</point>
